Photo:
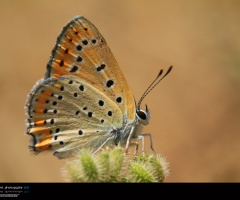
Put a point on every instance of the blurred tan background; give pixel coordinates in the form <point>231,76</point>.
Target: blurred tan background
<point>195,111</point>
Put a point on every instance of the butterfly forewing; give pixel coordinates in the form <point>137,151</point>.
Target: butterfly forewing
<point>81,51</point>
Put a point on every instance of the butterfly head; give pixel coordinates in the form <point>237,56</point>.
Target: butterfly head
<point>144,115</point>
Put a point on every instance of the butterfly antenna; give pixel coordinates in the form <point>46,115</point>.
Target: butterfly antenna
<point>150,88</point>
<point>159,74</point>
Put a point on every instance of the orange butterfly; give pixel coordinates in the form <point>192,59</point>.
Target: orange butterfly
<point>84,100</point>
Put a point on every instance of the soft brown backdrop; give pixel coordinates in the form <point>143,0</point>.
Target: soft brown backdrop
<point>195,110</point>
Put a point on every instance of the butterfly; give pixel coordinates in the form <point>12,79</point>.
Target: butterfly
<point>84,100</point>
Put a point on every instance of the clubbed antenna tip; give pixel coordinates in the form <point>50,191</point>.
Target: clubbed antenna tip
<point>151,86</point>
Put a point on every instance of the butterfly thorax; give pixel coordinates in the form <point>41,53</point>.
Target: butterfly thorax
<point>129,129</point>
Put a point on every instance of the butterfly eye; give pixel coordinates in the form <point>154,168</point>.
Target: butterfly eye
<point>141,115</point>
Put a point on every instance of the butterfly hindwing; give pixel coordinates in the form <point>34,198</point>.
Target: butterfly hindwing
<point>68,113</point>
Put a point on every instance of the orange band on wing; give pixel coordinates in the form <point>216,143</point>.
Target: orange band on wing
<point>43,145</point>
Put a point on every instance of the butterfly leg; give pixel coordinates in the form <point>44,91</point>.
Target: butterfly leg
<point>141,136</point>
<point>136,143</point>
<point>128,139</point>
<point>110,138</point>
<point>151,143</point>
<point>136,148</point>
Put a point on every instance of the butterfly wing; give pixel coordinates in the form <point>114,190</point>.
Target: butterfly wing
<point>68,113</point>
<point>81,51</point>
<point>84,96</point>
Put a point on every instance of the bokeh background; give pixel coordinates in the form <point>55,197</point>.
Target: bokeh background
<point>195,111</point>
